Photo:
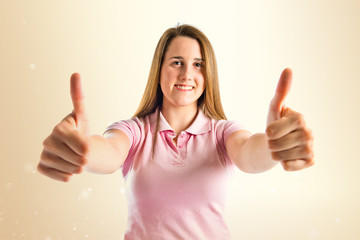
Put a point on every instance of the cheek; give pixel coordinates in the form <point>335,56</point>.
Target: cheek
<point>166,77</point>
<point>165,82</point>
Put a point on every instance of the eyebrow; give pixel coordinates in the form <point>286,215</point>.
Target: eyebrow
<point>181,58</point>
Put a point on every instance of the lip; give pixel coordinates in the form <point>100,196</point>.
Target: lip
<point>184,85</point>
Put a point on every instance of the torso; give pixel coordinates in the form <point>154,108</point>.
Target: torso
<point>179,191</point>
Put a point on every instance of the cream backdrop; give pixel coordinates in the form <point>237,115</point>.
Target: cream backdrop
<point>111,44</point>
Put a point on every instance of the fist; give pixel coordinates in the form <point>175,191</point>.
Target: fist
<point>66,149</point>
<point>289,139</point>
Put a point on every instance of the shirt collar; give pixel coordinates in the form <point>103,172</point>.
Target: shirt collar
<point>200,125</point>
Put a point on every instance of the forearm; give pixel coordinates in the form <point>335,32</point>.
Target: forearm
<point>254,155</point>
<point>104,157</point>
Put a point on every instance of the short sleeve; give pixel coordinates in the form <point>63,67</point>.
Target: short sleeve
<point>230,128</point>
<point>126,126</point>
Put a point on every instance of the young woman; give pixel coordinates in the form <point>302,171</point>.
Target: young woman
<point>177,151</point>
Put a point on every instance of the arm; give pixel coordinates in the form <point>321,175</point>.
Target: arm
<point>108,152</point>
<point>67,152</point>
<point>69,149</point>
<point>250,153</point>
<point>286,140</point>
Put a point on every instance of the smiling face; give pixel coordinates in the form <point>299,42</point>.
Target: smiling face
<point>181,78</point>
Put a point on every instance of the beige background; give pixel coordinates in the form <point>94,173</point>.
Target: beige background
<point>111,44</point>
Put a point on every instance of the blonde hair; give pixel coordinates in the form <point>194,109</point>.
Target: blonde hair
<point>209,102</point>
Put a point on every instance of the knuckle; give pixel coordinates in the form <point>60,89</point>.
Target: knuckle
<point>269,131</point>
<point>69,119</point>
<point>307,149</point>
<point>40,168</point>
<point>42,156</point>
<point>78,170</point>
<point>43,170</point>
<point>311,154</point>
<point>311,133</point>
<point>83,160</point>
<point>59,130</point>
<point>49,144</point>
<point>287,166</point>
<point>304,136</point>
<point>299,120</point>
<point>276,156</point>
<point>66,178</point>
<point>85,148</point>
<point>310,162</point>
<point>293,165</point>
<point>272,144</point>
<point>48,161</point>
<point>307,134</point>
<point>44,159</point>
<point>46,142</point>
<point>272,131</point>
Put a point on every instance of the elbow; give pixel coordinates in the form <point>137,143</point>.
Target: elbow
<point>250,168</point>
<point>103,169</point>
<point>253,171</point>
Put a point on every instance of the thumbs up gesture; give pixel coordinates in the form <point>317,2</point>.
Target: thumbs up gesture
<point>289,140</point>
<point>67,148</point>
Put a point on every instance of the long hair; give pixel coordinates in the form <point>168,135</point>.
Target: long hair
<point>209,102</point>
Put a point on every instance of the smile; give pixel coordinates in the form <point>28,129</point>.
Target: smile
<point>184,87</point>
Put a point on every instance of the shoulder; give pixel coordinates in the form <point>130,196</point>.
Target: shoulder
<point>226,126</point>
<point>136,129</point>
<point>132,124</point>
<point>225,130</point>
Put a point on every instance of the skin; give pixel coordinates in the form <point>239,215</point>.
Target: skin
<point>70,149</point>
<point>182,66</point>
<point>286,140</point>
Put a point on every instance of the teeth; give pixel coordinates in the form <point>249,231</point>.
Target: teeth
<point>184,87</point>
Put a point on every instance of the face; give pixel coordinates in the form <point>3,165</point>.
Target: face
<point>181,78</point>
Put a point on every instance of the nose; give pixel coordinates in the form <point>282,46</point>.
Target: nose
<point>186,73</point>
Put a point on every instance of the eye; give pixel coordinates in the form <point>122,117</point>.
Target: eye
<point>199,64</point>
<point>177,63</point>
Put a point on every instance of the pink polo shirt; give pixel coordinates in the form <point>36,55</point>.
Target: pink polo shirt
<point>179,192</point>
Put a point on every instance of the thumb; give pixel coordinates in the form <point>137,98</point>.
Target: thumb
<point>282,90</point>
<point>77,97</point>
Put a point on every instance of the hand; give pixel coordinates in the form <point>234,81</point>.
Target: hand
<point>289,140</point>
<point>67,148</point>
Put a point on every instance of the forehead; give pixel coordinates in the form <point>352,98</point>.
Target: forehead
<point>185,47</point>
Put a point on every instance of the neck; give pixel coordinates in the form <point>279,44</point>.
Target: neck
<point>179,118</point>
